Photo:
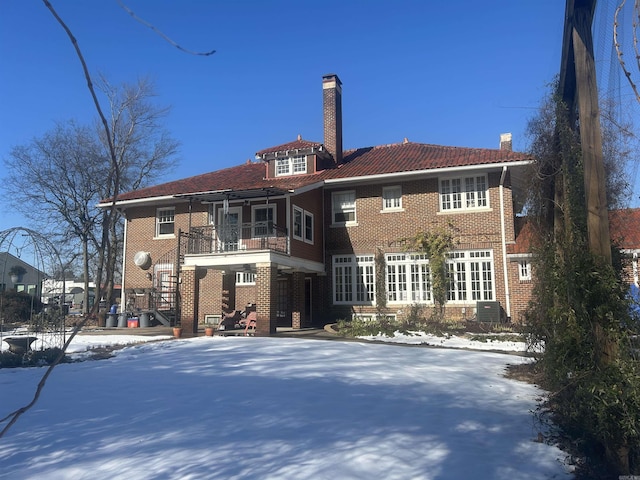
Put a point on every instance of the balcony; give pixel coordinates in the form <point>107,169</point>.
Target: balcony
<point>214,239</point>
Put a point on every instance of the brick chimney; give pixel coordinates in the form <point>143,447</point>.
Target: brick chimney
<point>505,142</point>
<point>332,111</point>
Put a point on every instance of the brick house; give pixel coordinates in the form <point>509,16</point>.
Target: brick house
<point>624,227</point>
<point>296,232</point>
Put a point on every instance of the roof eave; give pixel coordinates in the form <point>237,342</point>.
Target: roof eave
<point>427,172</point>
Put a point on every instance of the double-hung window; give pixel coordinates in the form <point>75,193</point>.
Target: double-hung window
<point>391,198</point>
<point>524,270</point>
<point>467,193</point>
<point>302,225</point>
<point>353,279</point>
<point>264,218</point>
<point>165,221</point>
<point>295,165</point>
<point>343,207</point>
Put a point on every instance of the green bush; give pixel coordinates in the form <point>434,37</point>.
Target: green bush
<point>33,358</point>
<point>18,306</point>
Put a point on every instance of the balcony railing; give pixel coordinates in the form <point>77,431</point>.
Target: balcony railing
<point>213,239</point>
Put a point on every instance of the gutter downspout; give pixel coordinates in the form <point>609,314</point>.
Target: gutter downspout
<point>504,245</point>
<point>123,296</point>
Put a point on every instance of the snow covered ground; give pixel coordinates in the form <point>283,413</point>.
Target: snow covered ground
<point>275,408</point>
<point>492,342</point>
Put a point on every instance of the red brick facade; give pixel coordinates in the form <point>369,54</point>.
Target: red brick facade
<point>292,254</point>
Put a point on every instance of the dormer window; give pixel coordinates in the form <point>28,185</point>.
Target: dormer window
<point>295,165</point>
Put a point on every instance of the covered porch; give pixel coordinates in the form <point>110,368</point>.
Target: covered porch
<point>282,285</point>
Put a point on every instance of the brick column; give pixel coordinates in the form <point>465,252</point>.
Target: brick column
<point>188,290</point>
<point>297,301</point>
<point>266,278</point>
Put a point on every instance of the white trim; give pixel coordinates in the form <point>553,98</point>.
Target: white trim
<point>123,296</point>
<point>293,230</point>
<point>274,219</point>
<point>504,244</point>
<point>241,278</point>
<point>394,189</point>
<point>521,277</point>
<point>333,210</point>
<point>465,195</point>
<point>430,171</point>
<point>158,223</point>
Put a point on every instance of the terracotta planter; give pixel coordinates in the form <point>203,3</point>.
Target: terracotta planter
<point>177,332</point>
<point>208,331</point>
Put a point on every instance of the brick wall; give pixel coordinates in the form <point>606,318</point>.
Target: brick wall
<point>421,212</point>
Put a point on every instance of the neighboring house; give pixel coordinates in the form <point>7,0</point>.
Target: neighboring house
<point>297,232</point>
<point>624,228</point>
<point>28,282</point>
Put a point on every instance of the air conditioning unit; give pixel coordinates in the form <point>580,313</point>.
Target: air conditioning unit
<point>489,312</point>
<point>213,320</point>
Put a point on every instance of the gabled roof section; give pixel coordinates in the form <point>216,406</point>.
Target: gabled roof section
<point>409,157</point>
<point>297,145</point>
<point>624,226</point>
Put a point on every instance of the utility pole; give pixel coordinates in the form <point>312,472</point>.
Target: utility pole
<point>578,83</point>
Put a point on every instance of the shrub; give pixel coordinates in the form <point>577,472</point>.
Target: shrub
<point>18,306</point>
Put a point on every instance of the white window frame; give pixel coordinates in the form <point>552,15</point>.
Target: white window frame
<point>343,207</point>
<point>354,280</point>
<point>392,199</point>
<point>245,278</point>
<point>163,217</point>
<point>304,225</point>
<point>308,227</point>
<point>466,193</point>
<point>295,165</point>
<point>408,278</point>
<point>524,270</point>
<point>471,276</point>
<point>263,230</point>
<point>298,224</point>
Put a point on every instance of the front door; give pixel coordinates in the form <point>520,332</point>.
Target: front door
<point>229,229</point>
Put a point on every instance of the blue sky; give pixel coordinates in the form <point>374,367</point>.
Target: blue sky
<point>441,72</point>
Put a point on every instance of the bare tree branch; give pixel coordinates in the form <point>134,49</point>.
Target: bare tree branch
<point>619,48</point>
<point>147,24</point>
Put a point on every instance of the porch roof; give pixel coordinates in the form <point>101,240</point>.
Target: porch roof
<point>234,194</point>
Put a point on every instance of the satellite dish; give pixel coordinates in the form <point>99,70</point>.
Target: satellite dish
<point>142,260</point>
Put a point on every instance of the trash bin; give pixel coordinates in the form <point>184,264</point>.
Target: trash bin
<point>122,320</point>
<point>144,320</point>
<point>112,320</point>
<point>132,323</point>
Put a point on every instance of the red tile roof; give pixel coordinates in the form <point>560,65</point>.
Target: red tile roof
<point>402,157</point>
<point>299,144</point>
<point>408,157</point>
<point>624,227</point>
<point>525,237</point>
